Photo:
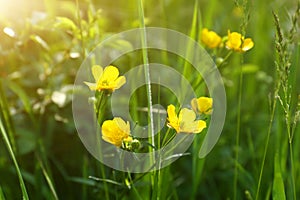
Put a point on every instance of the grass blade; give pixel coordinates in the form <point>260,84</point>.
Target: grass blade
<point>278,192</point>
<point>151,133</point>
<point>48,179</point>
<point>12,155</point>
<point>1,194</point>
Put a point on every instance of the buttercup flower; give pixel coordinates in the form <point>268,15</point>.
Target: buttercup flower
<point>107,79</point>
<point>210,38</point>
<point>116,131</point>
<point>237,42</point>
<point>186,121</point>
<point>202,105</point>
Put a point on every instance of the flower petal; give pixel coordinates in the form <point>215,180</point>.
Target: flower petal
<point>120,81</point>
<point>115,131</point>
<point>247,45</point>
<point>97,72</point>
<point>200,126</point>
<point>110,74</point>
<point>172,118</point>
<point>187,115</point>
<point>204,105</point>
<point>125,127</point>
<point>92,86</point>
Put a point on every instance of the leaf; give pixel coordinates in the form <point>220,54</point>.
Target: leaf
<point>37,39</point>
<point>64,23</point>
<point>278,192</point>
<point>2,197</point>
<point>21,94</point>
<point>26,141</point>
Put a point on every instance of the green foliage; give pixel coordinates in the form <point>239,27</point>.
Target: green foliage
<point>42,47</point>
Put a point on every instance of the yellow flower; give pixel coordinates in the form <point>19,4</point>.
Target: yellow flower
<point>210,38</point>
<point>186,121</point>
<point>237,42</point>
<point>116,131</point>
<point>202,105</point>
<point>107,79</point>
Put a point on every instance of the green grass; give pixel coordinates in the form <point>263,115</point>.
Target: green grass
<point>257,155</point>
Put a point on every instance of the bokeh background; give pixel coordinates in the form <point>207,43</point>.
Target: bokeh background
<point>43,43</point>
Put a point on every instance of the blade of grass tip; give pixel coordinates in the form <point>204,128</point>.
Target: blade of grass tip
<point>198,79</point>
<point>193,35</point>
<point>278,192</point>
<point>151,133</point>
<point>10,150</point>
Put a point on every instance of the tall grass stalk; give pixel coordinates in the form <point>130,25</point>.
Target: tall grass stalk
<point>238,125</point>
<point>151,133</point>
<point>10,149</point>
<point>273,108</point>
<point>283,66</point>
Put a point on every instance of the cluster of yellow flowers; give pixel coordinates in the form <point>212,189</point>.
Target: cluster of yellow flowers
<point>117,131</point>
<point>233,41</point>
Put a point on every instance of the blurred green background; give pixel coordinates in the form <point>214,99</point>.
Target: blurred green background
<point>43,43</point>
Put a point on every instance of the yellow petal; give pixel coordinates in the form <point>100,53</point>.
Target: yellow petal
<point>92,86</point>
<point>210,38</point>
<point>110,74</point>
<point>247,44</point>
<point>172,118</point>
<point>97,72</point>
<point>204,105</point>
<point>234,41</point>
<point>120,81</point>
<point>115,131</point>
<point>187,121</point>
<point>200,126</point>
<point>108,131</point>
<point>186,115</point>
<point>125,127</point>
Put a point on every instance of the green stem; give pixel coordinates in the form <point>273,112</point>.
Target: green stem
<point>166,136</point>
<point>221,64</point>
<point>98,119</point>
<point>238,130</point>
<point>267,143</point>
